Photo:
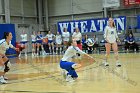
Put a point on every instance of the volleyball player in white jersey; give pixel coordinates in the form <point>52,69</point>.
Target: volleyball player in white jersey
<point>50,37</point>
<point>66,61</point>
<point>66,37</point>
<point>58,39</point>
<point>24,42</point>
<point>111,38</point>
<point>78,37</point>
<point>4,61</point>
<point>33,37</point>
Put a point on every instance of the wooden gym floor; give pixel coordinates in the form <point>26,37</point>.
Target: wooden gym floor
<point>43,75</point>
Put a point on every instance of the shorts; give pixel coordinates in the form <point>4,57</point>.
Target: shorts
<point>23,42</point>
<point>39,41</point>
<point>66,64</point>
<point>50,41</point>
<point>33,42</point>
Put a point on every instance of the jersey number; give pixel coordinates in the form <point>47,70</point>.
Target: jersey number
<point>112,32</point>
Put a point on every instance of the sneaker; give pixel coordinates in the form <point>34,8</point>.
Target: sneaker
<point>118,64</point>
<point>32,55</point>
<point>44,53</point>
<point>25,55</point>
<point>69,78</point>
<point>106,64</point>
<point>2,81</point>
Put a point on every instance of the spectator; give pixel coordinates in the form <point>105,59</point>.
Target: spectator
<point>84,45</point>
<point>96,44</point>
<point>130,43</point>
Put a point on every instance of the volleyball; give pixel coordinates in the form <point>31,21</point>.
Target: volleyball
<point>45,40</point>
<point>90,42</point>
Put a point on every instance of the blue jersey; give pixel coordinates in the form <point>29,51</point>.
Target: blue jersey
<point>39,37</point>
<point>130,39</point>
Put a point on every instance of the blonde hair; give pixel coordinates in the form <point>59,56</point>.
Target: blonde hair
<point>113,24</point>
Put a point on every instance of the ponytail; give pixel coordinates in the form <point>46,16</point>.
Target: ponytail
<point>70,42</point>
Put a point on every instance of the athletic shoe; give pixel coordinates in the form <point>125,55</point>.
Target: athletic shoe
<point>2,81</point>
<point>69,78</point>
<point>25,55</point>
<point>106,64</point>
<point>118,64</point>
<point>33,55</point>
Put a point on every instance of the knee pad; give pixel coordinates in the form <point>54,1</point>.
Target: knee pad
<point>6,69</point>
<point>7,66</point>
<point>7,63</point>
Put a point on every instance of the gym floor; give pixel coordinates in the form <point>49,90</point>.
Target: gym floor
<point>43,75</point>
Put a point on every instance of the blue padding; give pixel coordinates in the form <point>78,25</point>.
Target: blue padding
<point>8,28</point>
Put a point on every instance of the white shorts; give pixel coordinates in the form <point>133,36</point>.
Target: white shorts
<point>58,42</point>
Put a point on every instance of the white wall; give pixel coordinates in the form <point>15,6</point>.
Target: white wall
<point>66,7</point>
<point>65,10</point>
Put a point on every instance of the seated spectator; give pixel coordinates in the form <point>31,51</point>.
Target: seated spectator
<point>85,46</point>
<point>130,43</point>
<point>96,43</point>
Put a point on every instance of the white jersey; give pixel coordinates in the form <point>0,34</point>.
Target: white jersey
<point>58,39</point>
<point>4,46</point>
<point>77,36</point>
<point>71,52</point>
<point>66,36</point>
<point>33,37</point>
<point>50,36</point>
<point>23,37</point>
<point>110,34</point>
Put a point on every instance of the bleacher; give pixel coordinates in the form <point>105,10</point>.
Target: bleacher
<point>101,47</point>
<point>137,38</point>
